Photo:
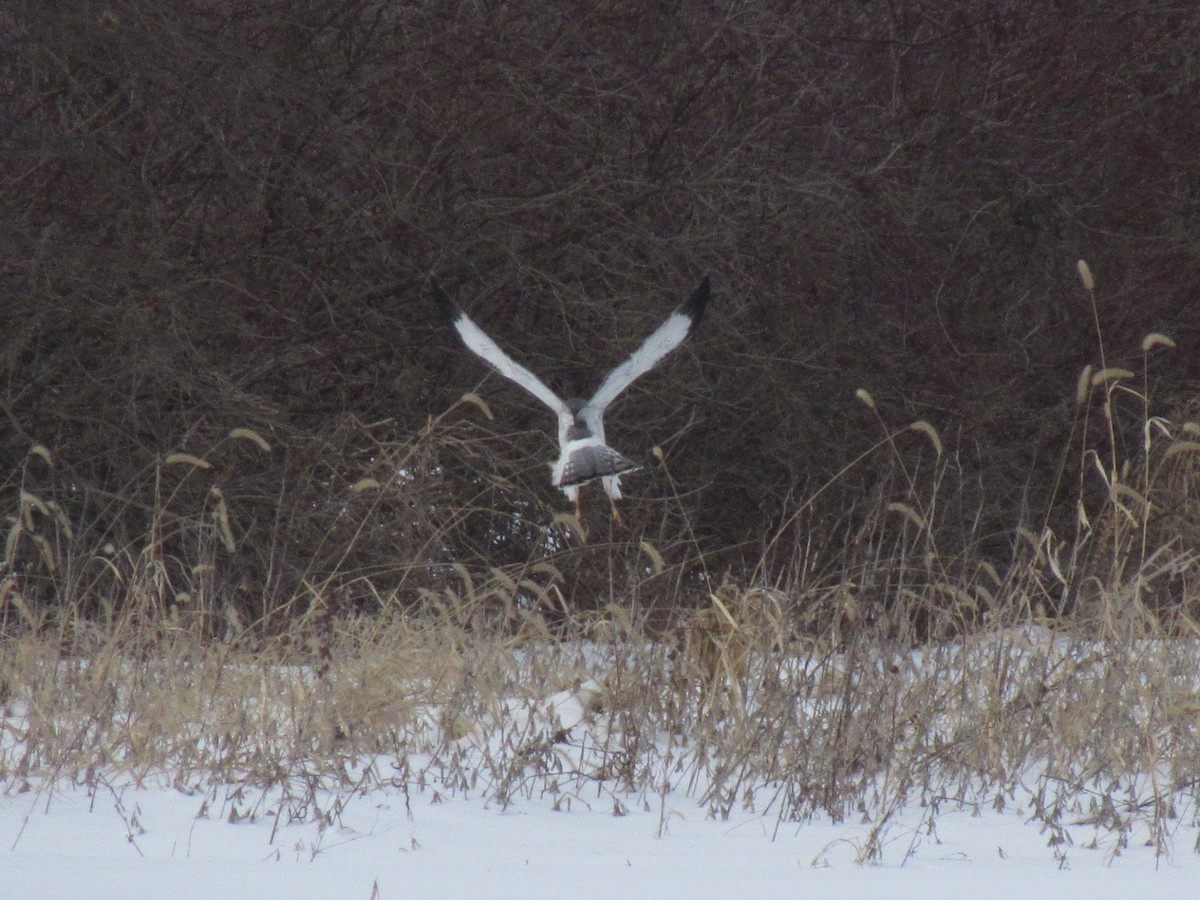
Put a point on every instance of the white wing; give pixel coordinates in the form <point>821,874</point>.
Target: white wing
<point>669,335</point>
<point>489,351</point>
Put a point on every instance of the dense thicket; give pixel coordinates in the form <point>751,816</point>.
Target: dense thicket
<point>222,215</point>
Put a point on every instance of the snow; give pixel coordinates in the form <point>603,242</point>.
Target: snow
<point>146,841</point>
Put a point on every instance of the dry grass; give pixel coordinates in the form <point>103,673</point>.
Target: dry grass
<point>1071,726</point>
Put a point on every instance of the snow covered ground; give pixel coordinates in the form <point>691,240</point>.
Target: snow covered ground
<point>425,818</point>
<point>127,842</point>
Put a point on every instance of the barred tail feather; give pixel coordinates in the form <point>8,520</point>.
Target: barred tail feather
<point>592,462</point>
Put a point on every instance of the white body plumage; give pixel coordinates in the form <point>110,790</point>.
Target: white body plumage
<point>584,455</point>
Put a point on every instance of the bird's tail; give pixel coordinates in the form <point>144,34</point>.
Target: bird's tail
<point>589,463</point>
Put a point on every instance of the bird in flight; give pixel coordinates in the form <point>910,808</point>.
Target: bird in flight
<point>583,453</point>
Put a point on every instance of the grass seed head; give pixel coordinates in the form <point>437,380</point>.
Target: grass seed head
<point>1083,385</point>
<point>248,434</point>
<point>43,453</point>
<point>1154,339</point>
<point>477,401</point>
<point>1085,275</point>
<point>930,432</point>
<point>657,564</point>
<point>1112,373</point>
<point>187,459</point>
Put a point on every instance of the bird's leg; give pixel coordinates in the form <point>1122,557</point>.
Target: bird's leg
<point>616,513</point>
<point>579,508</point>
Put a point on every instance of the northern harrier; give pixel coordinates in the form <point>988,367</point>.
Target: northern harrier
<point>583,454</point>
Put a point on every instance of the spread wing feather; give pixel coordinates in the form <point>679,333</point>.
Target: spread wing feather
<point>669,335</point>
<point>489,351</point>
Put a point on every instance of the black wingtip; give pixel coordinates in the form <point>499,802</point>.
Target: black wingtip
<point>693,307</point>
<point>448,307</point>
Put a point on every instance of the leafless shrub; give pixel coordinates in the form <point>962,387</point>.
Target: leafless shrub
<point>223,218</point>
